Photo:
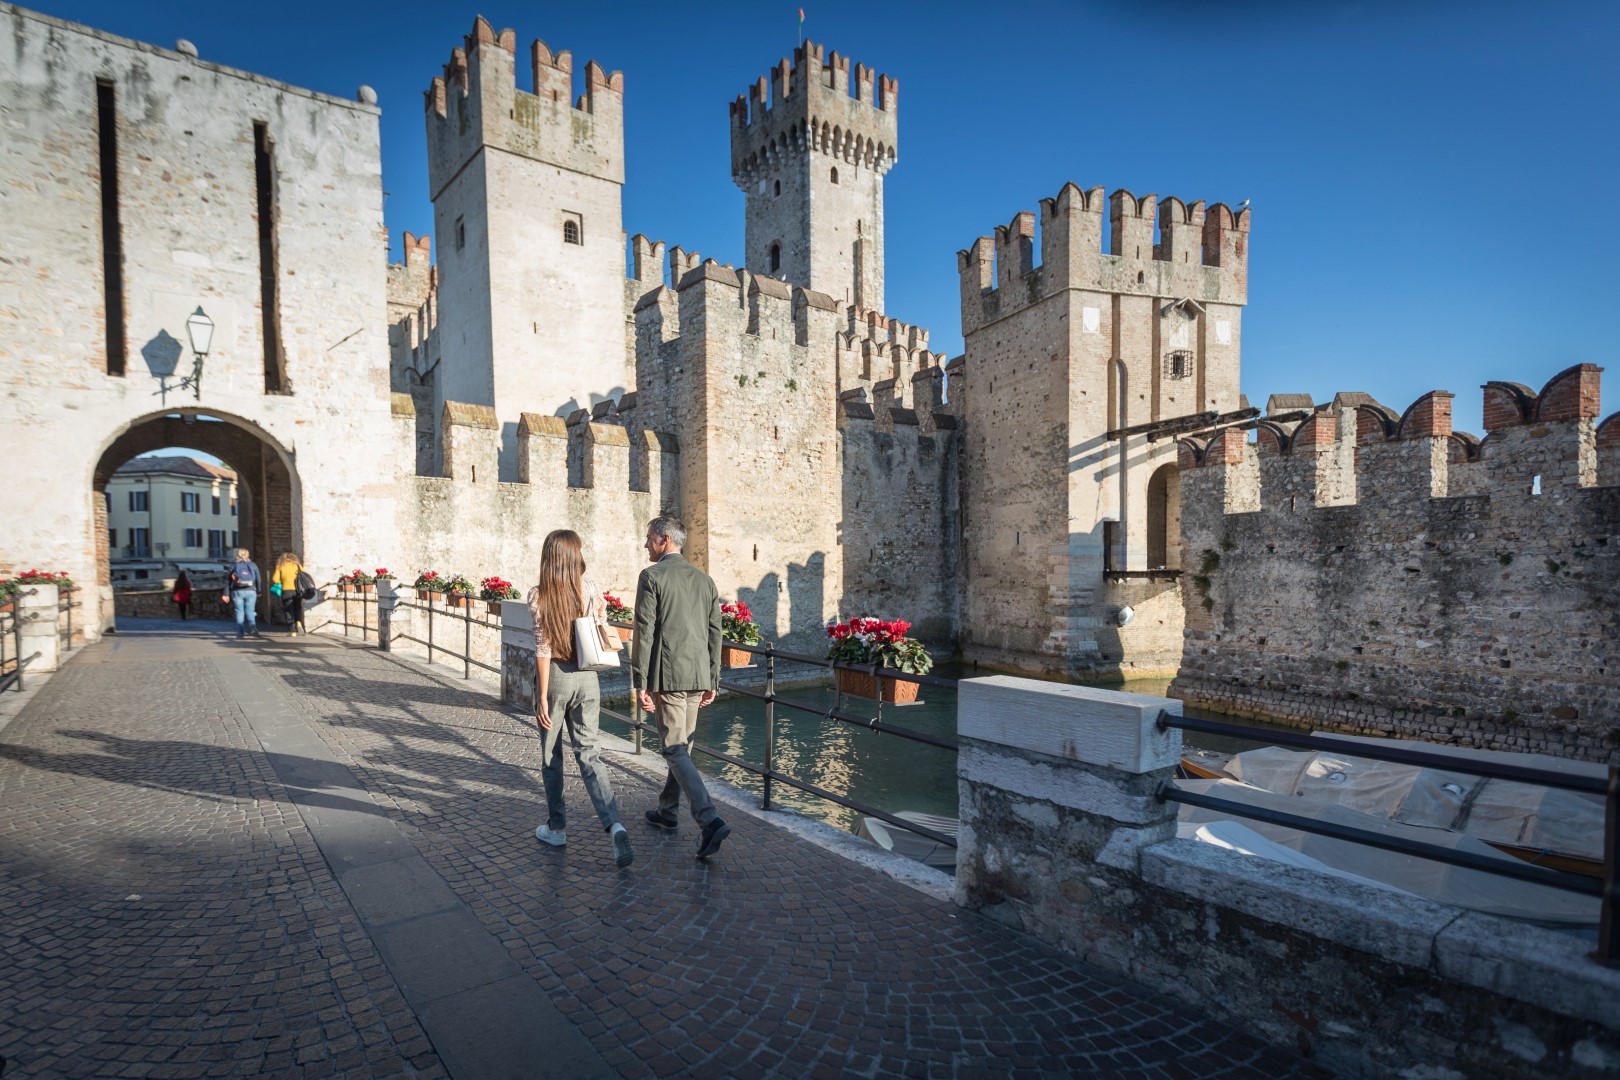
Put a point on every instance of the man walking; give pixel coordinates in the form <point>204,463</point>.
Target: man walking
<point>245,594</point>
<point>675,667</point>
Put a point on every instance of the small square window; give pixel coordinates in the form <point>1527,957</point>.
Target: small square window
<point>461,233</point>
<point>1178,365</point>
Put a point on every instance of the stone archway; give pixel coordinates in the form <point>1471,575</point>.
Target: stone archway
<point>1164,518</point>
<point>266,479</point>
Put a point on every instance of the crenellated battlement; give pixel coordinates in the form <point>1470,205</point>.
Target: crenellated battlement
<point>1356,451</point>
<point>655,265</point>
<point>873,347</point>
<point>813,105</point>
<point>1153,247</point>
<point>476,103</point>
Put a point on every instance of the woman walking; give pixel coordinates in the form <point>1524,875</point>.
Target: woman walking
<point>285,581</point>
<point>182,593</point>
<point>567,696</point>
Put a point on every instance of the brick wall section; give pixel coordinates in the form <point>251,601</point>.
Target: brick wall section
<point>1483,615</point>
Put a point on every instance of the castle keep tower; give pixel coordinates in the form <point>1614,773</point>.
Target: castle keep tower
<point>809,148</point>
<point>527,209</point>
<point>1075,372</point>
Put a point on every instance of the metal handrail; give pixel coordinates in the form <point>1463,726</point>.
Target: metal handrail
<point>465,656</point>
<point>1608,888</point>
<point>768,771</point>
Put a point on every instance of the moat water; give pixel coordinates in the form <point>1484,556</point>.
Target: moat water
<point>878,769</point>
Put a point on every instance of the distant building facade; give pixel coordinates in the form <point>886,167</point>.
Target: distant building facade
<point>167,514</point>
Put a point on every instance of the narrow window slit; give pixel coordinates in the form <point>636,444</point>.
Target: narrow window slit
<point>112,244</point>
<point>275,381</point>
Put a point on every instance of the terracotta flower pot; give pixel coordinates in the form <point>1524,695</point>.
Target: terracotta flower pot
<point>860,684</point>
<point>736,658</point>
<point>432,596</point>
<point>363,588</point>
<point>625,633</point>
<point>493,606</point>
<point>459,600</point>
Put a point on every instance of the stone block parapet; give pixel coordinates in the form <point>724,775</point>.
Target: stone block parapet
<point>1062,837</point>
<point>812,105</point>
<point>476,103</point>
<point>1378,572</point>
<point>1202,254</point>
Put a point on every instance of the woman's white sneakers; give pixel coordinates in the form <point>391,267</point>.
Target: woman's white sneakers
<point>622,853</point>
<point>555,839</point>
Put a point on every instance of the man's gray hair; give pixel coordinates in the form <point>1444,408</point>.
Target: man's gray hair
<point>668,527</point>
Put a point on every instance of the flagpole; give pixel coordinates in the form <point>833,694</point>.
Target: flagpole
<point>801,28</point>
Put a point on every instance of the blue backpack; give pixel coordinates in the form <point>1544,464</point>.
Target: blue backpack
<point>244,575</point>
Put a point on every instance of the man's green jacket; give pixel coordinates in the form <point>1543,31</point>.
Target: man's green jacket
<point>677,639</point>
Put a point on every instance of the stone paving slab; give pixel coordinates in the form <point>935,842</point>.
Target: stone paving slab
<point>135,773</point>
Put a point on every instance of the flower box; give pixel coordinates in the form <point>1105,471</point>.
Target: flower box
<point>459,600</point>
<point>625,633</point>
<point>736,658</point>
<point>363,587</point>
<point>493,606</point>
<point>861,684</point>
<point>432,596</point>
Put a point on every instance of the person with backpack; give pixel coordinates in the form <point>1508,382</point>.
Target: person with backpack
<point>287,583</point>
<point>244,594</point>
<point>182,593</point>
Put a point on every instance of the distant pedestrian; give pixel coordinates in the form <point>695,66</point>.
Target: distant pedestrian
<point>285,584</point>
<point>244,593</point>
<point>182,593</point>
<point>675,666</point>
<point>566,696</point>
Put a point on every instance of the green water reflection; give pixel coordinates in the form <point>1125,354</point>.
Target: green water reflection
<point>875,768</point>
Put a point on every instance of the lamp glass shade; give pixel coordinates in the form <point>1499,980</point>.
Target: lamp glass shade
<point>201,329</point>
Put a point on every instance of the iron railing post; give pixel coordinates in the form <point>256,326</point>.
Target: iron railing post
<point>430,630</point>
<point>635,711</point>
<point>69,647</point>
<point>466,649</point>
<point>1609,921</point>
<point>770,719</point>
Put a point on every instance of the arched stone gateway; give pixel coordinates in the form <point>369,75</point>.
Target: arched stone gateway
<point>271,521</point>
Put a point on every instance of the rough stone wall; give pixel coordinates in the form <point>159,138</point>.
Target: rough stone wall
<point>1062,837</point>
<point>901,512</point>
<point>1445,589</point>
<point>413,342</point>
<point>1057,356</point>
<point>472,523</point>
<point>189,231</point>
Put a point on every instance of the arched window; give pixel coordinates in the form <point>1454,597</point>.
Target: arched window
<point>835,174</point>
<point>776,257</point>
<point>779,187</point>
<point>571,232</point>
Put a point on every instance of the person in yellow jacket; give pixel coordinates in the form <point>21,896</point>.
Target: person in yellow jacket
<point>285,579</point>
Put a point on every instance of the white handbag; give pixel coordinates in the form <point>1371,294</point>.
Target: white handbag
<point>596,644</point>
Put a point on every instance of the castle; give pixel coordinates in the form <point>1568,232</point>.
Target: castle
<point>806,436</point>
<point>1027,502</point>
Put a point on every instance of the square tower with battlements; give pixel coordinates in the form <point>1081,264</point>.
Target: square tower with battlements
<point>809,148</point>
<point>1077,372</point>
<point>527,191</point>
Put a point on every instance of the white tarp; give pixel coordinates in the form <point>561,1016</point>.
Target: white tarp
<point>1500,811</point>
<point>1438,881</point>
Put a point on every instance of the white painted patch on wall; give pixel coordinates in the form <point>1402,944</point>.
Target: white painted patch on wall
<point>1223,331</point>
<point>1091,320</point>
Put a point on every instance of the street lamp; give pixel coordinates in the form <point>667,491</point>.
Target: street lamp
<point>200,328</point>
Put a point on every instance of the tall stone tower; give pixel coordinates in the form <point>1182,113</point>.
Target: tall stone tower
<point>1076,370</point>
<point>809,148</point>
<point>527,208</point>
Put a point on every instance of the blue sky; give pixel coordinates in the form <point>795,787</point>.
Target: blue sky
<point>1426,176</point>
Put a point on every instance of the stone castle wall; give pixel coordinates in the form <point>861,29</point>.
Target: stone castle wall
<point>1381,574</point>
<point>188,237</point>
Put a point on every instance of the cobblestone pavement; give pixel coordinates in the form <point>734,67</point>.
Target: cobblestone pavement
<point>164,911</point>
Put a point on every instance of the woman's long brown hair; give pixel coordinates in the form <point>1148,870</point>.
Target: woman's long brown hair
<point>562,568</point>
